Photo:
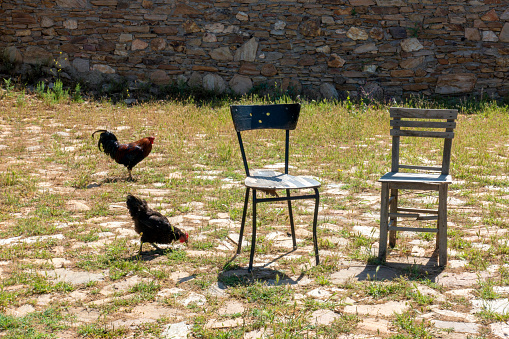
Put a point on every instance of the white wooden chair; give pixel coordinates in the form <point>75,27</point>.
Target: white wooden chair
<point>426,178</point>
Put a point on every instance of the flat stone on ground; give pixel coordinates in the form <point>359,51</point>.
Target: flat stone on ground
<point>181,277</point>
<point>194,298</point>
<point>170,292</point>
<point>457,326</point>
<point>121,286</point>
<point>78,205</point>
<point>375,325</point>
<point>453,314</point>
<point>361,273</point>
<point>465,292</point>
<point>323,317</point>
<point>319,293</point>
<point>456,263</point>
<point>84,314</point>
<point>499,306</point>
<point>217,290</point>
<point>225,323</point>
<point>176,331</point>
<point>20,311</point>
<point>44,299</point>
<point>73,277</point>
<point>256,334</point>
<point>232,307</point>
<point>428,291</point>
<point>155,311</point>
<point>120,323</point>
<point>501,330</point>
<point>386,309</point>
<point>460,280</point>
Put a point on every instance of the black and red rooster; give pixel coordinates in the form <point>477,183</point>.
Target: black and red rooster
<point>153,227</point>
<point>129,154</point>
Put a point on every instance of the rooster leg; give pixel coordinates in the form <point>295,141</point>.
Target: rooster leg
<point>130,178</point>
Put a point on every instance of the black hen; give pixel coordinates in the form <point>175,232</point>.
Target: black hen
<point>129,154</point>
<point>152,225</point>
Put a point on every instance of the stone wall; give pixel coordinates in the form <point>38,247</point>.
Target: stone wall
<point>384,48</point>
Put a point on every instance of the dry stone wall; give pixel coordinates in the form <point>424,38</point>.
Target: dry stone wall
<point>381,48</point>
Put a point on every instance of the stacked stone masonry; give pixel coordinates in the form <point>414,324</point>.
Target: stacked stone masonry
<point>394,47</point>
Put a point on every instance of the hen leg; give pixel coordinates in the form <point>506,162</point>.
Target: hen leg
<point>141,243</point>
<point>130,178</point>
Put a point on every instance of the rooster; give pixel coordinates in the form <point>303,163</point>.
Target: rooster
<point>128,155</point>
<point>152,225</point>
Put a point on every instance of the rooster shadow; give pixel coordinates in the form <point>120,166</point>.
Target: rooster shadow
<point>110,181</point>
<point>118,179</point>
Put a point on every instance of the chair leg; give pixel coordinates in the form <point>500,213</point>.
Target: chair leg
<point>315,222</point>
<point>292,225</point>
<point>253,239</point>
<point>384,216</point>
<point>393,209</point>
<point>244,212</point>
<point>442,225</point>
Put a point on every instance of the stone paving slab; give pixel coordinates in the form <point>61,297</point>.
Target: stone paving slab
<point>361,273</point>
<point>375,325</point>
<point>460,280</point>
<point>176,331</point>
<point>323,317</point>
<point>225,323</point>
<point>463,327</point>
<point>72,277</point>
<point>501,330</point>
<point>386,309</point>
<point>500,306</point>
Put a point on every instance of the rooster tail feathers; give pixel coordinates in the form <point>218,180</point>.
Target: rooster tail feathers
<point>99,130</point>
<point>108,141</point>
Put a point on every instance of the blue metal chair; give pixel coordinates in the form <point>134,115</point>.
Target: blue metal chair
<point>281,117</point>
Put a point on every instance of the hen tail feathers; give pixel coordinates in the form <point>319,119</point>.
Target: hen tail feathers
<point>136,205</point>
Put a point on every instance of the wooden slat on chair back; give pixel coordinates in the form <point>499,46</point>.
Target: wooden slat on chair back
<point>279,116</point>
<point>439,129</point>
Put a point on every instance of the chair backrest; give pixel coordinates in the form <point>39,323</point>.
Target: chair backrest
<point>278,116</point>
<point>423,123</point>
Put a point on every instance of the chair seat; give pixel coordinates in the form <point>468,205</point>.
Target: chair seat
<point>423,178</point>
<point>272,180</point>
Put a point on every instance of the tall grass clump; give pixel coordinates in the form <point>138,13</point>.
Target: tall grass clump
<point>58,94</point>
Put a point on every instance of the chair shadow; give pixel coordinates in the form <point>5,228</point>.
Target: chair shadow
<point>389,271</point>
<point>240,276</point>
